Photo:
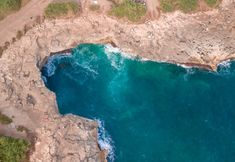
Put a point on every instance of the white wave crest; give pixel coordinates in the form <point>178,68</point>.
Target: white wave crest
<point>50,66</point>
<point>185,66</point>
<point>110,49</point>
<point>105,141</point>
<point>112,54</point>
<point>86,67</point>
<point>189,72</point>
<point>44,79</point>
<point>224,67</point>
<point>225,64</point>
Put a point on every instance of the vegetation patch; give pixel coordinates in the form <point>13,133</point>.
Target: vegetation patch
<point>129,9</point>
<point>94,7</point>
<point>22,129</point>
<point>184,5</point>
<point>5,119</point>
<point>61,9</point>
<point>168,5</point>
<point>188,5</point>
<point>9,6</point>
<point>212,3</point>
<point>13,150</point>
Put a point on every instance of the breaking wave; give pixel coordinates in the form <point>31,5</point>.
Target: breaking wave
<point>114,57</point>
<point>155,91</point>
<point>105,141</point>
<point>50,67</point>
<point>224,68</point>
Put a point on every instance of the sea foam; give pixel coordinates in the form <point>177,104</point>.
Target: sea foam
<point>105,141</point>
<point>50,67</point>
<point>109,49</point>
<point>224,68</point>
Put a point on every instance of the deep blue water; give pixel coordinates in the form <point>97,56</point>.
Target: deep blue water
<point>151,112</point>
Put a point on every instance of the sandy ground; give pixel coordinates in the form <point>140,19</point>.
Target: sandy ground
<point>27,15</point>
<point>14,22</point>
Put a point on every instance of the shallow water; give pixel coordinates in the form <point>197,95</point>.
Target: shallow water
<point>148,111</point>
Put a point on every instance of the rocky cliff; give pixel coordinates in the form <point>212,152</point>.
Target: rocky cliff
<point>200,39</point>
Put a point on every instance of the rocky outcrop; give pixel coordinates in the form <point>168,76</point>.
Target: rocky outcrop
<point>26,100</point>
<point>201,39</point>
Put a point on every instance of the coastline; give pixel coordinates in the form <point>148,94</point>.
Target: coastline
<point>133,56</point>
<point>175,38</point>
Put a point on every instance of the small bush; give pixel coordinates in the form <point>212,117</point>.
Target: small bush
<point>5,119</point>
<point>129,9</point>
<point>60,9</point>
<point>22,129</point>
<point>184,5</point>
<point>188,5</point>
<point>73,6</point>
<point>167,5</point>
<point>13,150</point>
<point>8,6</point>
<point>211,3</point>
<point>94,7</point>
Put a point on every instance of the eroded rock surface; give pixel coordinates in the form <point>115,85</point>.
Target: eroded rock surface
<point>203,39</point>
<point>26,100</point>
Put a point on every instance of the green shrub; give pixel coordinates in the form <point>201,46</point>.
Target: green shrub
<point>8,6</point>
<point>73,6</point>
<point>167,5</point>
<point>55,10</point>
<point>184,5</point>
<point>129,9</point>
<point>13,150</point>
<point>211,3</point>
<point>3,118</point>
<point>188,5</point>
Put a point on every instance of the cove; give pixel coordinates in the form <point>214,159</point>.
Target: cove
<point>148,111</point>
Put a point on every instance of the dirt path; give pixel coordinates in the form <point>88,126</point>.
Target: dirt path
<point>153,8</point>
<point>11,24</point>
<point>14,22</point>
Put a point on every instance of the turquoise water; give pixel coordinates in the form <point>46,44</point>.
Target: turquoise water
<point>148,111</point>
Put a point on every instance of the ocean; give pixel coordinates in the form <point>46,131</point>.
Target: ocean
<point>147,111</point>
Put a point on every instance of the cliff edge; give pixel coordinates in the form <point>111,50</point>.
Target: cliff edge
<point>201,39</point>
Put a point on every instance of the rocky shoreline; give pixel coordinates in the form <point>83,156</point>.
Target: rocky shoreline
<point>200,39</point>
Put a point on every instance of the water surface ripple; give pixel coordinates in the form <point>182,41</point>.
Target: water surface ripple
<point>148,111</point>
